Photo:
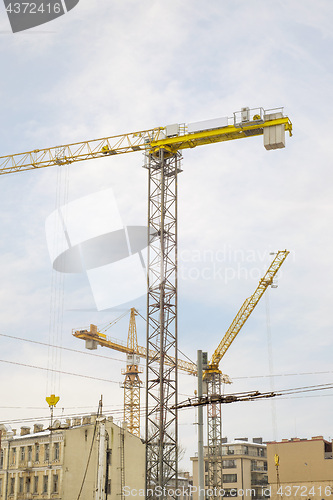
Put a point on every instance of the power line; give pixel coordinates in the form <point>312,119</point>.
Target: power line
<point>121,360</point>
<point>58,371</point>
<point>283,375</point>
<point>118,412</point>
<point>251,396</point>
<point>59,347</point>
<point>45,344</point>
<point>90,451</point>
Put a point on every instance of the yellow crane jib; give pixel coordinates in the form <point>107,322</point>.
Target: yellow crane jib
<point>93,338</point>
<point>245,311</point>
<point>270,123</point>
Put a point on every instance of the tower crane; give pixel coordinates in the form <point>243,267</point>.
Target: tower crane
<point>213,375</point>
<point>132,382</point>
<point>93,338</point>
<point>163,147</point>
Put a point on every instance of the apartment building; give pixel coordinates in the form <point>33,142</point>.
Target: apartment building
<point>62,462</point>
<point>244,465</point>
<point>304,470</point>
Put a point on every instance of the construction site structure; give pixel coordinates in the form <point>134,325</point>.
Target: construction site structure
<point>162,147</point>
<point>93,337</point>
<point>132,383</point>
<point>213,375</point>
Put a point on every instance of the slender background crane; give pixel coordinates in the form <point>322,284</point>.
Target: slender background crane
<point>132,382</point>
<point>213,375</point>
<point>162,147</point>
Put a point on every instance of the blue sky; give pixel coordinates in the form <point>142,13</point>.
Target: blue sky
<point>126,66</point>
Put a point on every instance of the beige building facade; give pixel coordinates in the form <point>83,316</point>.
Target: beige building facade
<point>304,471</point>
<point>244,466</point>
<point>62,463</point>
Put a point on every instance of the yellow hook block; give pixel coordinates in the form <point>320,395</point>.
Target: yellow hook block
<point>52,400</point>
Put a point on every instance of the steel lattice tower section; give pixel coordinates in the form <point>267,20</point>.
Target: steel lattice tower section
<point>132,383</point>
<point>161,378</point>
<point>214,430</point>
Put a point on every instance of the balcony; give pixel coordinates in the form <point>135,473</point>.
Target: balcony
<point>259,482</point>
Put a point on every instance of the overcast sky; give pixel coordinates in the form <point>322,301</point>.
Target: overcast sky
<point>112,67</point>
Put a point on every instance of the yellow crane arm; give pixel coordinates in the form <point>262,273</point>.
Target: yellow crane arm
<point>78,151</point>
<point>117,345</point>
<point>246,309</point>
<point>173,137</point>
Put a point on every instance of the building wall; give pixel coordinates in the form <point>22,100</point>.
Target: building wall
<point>244,467</point>
<point>60,460</point>
<point>305,468</point>
<point>25,466</point>
<point>78,441</point>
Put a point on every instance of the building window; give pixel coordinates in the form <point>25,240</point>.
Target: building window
<point>36,484</point>
<point>28,483</point>
<point>1,460</point>
<point>229,464</point>
<point>55,483</point>
<point>20,484</point>
<point>22,453</point>
<point>12,486</point>
<point>45,483</point>
<point>0,487</point>
<point>46,452</point>
<point>29,457</point>
<point>36,452</point>
<point>230,478</point>
<point>109,456</point>
<point>56,451</point>
<point>13,456</point>
<point>206,465</point>
<point>230,492</point>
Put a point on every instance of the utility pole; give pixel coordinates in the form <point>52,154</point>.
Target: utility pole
<point>100,489</point>
<point>201,460</point>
